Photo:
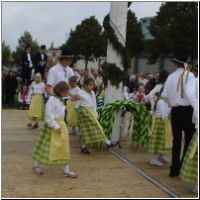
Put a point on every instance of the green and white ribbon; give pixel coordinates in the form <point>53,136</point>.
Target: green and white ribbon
<point>142,119</point>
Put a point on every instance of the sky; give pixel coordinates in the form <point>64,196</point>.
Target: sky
<point>52,21</point>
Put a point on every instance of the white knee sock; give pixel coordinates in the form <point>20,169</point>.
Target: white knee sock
<point>107,141</point>
<point>36,163</point>
<point>66,168</point>
<point>155,157</point>
<point>84,146</point>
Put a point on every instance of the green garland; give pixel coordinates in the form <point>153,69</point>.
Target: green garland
<point>108,68</point>
<point>142,119</point>
<point>112,73</point>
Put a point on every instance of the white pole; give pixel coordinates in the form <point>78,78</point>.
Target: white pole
<point>118,21</point>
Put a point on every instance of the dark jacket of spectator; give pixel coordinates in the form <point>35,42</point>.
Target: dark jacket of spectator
<point>3,86</point>
<point>27,67</point>
<point>11,84</point>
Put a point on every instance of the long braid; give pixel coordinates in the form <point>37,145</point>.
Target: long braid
<point>158,97</point>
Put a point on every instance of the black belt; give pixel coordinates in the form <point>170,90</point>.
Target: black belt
<point>182,107</point>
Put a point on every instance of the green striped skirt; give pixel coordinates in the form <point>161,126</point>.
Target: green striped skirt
<point>156,144</point>
<point>41,151</point>
<point>189,170</point>
<point>91,131</point>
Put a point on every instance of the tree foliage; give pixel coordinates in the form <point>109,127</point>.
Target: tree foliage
<point>6,53</point>
<point>175,29</point>
<point>134,36</point>
<point>26,38</point>
<point>86,39</point>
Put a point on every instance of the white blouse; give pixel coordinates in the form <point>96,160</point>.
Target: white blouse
<point>28,98</point>
<point>162,109</point>
<point>87,100</point>
<point>54,109</point>
<point>37,88</point>
<point>150,97</point>
<point>73,91</point>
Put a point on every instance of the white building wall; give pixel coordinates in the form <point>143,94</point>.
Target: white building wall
<point>168,65</point>
<point>80,64</point>
<point>144,67</point>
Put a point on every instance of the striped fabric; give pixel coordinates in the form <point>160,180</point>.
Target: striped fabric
<point>156,144</point>
<point>91,133</point>
<point>189,170</point>
<point>41,151</point>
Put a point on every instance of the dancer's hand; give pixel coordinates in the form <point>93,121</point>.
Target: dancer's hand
<point>77,97</point>
<point>58,130</point>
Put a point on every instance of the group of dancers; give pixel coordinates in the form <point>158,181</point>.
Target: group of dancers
<point>174,108</point>
<point>66,103</point>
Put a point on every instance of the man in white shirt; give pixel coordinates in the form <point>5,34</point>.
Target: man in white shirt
<point>179,92</point>
<point>60,72</point>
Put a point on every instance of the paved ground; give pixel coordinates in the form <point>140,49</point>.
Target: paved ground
<point>100,174</point>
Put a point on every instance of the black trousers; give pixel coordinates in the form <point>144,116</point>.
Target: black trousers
<point>40,69</point>
<point>181,121</point>
<point>26,75</point>
<point>10,98</point>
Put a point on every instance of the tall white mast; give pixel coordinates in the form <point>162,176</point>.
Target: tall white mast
<point>118,21</point>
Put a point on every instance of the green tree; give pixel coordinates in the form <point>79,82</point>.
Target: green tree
<point>6,53</point>
<point>26,38</point>
<point>85,40</point>
<point>175,29</point>
<point>134,36</point>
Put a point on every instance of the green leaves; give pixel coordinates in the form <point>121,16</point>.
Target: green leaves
<point>142,119</point>
<point>86,40</point>
<point>175,29</point>
<point>23,40</point>
<point>112,73</point>
<point>134,35</point>
<point>6,53</point>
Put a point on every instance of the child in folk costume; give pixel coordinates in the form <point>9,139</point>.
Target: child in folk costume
<point>189,169</point>
<point>71,111</point>
<point>140,95</point>
<point>160,142</point>
<point>24,98</point>
<point>36,110</point>
<point>52,147</point>
<point>128,118</point>
<point>91,131</point>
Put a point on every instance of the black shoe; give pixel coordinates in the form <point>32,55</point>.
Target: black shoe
<point>174,173</point>
<point>113,144</point>
<point>85,150</point>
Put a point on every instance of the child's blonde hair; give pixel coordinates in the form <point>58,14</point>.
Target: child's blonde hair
<point>39,76</point>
